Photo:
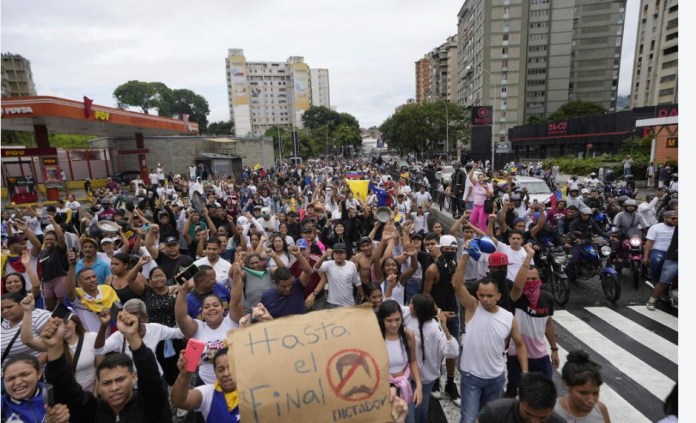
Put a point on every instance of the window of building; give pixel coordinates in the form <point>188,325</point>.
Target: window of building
<point>671,50</point>
<point>668,78</point>
<point>670,64</point>
<point>506,37</point>
<point>668,91</point>
<point>538,13</point>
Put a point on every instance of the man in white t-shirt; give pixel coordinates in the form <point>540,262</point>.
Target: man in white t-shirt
<point>153,178</point>
<point>423,198</point>
<point>212,258</point>
<point>341,276</point>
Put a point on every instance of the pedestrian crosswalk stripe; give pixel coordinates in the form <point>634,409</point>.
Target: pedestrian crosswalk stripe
<point>619,409</point>
<point>653,381</point>
<point>637,332</point>
<point>658,316</point>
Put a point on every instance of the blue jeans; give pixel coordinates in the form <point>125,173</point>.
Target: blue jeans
<point>413,287</point>
<point>657,258</point>
<point>540,365</point>
<point>670,270</point>
<point>476,393</point>
<point>422,410</point>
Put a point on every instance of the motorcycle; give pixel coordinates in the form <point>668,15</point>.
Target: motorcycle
<point>551,262</point>
<point>550,180</point>
<point>592,262</point>
<point>610,190</point>
<point>628,253</point>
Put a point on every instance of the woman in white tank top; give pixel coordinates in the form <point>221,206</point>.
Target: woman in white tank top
<point>401,349</point>
<point>582,380</point>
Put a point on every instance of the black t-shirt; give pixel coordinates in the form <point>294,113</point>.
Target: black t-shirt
<point>53,263</point>
<point>506,411</point>
<point>172,266</point>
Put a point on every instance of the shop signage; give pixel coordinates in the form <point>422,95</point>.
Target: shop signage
<point>17,110</point>
<point>481,115</point>
<point>99,115</point>
<point>672,142</point>
<point>557,128</point>
<point>28,152</point>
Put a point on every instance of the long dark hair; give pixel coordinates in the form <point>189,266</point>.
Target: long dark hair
<point>579,370</point>
<point>388,308</point>
<point>67,353</point>
<point>424,309</point>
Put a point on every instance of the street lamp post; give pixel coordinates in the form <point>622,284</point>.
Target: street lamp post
<point>447,130</point>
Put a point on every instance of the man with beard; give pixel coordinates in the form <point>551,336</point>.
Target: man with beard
<point>437,283</point>
<point>169,257</point>
<point>533,308</point>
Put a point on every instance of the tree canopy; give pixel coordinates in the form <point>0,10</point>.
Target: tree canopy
<point>577,108</point>
<point>221,128</point>
<point>417,128</point>
<point>169,103</point>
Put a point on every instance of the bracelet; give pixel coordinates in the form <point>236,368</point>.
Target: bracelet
<point>316,294</point>
<point>554,349</point>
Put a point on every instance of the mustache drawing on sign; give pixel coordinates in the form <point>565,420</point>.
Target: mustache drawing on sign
<point>353,382</point>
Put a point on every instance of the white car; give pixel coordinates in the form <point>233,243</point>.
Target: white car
<point>446,173</point>
<point>536,187</point>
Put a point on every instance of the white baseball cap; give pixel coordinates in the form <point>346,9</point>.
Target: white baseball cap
<point>448,241</point>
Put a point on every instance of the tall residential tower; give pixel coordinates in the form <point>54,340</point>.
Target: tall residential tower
<point>655,68</point>
<point>529,57</point>
<point>266,94</point>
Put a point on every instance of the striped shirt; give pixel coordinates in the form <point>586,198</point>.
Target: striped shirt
<point>38,320</point>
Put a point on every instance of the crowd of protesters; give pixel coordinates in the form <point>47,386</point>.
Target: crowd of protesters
<point>266,244</point>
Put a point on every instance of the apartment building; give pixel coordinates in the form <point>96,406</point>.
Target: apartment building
<point>443,71</point>
<point>17,79</point>
<point>422,79</point>
<point>529,57</point>
<point>655,68</point>
<point>262,95</point>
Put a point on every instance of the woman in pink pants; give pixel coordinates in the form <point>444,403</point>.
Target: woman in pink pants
<point>481,191</point>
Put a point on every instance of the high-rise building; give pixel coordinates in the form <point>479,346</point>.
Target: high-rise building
<point>319,79</point>
<point>443,71</point>
<point>266,94</point>
<point>17,79</point>
<point>655,68</point>
<point>529,57</point>
<point>422,79</point>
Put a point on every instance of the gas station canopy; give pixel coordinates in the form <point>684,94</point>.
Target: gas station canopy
<point>65,116</point>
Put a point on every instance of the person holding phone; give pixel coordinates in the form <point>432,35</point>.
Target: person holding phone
<point>22,401</point>
<point>116,378</point>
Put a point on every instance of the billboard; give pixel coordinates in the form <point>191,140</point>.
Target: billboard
<point>481,115</point>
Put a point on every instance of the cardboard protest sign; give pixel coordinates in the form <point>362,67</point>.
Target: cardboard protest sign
<point>326,366</point>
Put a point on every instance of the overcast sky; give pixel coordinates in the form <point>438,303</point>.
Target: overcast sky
<point>88,48</point>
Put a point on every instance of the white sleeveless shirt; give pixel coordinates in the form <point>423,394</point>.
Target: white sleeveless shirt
<point>483,353</point>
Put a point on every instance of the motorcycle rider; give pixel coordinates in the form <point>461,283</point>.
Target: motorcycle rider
<point>581,231</point>
<point>593,182</point>
<point>674,185</point>
<point>573,198</point>
<point>557,213</point>
<point>594,201</point>
<point>628,218</point>
<point>663,259</point>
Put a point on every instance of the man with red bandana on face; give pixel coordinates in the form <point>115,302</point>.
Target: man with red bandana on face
<point>533,310</point>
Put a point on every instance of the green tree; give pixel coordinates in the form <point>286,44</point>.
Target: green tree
<point>136,94</point>
<point>535,119</point>
<point>221,128</point>
<point>187,102</point>
<point>417,128</point>
<point>318,116</point>
<point>17,138</point>
<point>577,108</point>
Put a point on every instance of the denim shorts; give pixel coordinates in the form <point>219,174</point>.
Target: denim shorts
<point>670,270</point>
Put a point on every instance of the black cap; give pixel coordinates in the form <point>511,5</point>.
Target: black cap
<point>365,239</point>
<point>307,229</point>
<point>171,240</point>
<point>339,246</point>
<point>417,235</point>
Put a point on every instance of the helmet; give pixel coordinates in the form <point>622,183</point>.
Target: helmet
<point>573,187</point>
<point>630,202</point>
<point>674,176</point>
<point>586,211</point>
<point>622,200</point>
<point>593,174</point>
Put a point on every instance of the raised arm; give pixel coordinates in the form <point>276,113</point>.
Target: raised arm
<point>183,397</point>
<point>465,299</point>
<point>187,325</point>
<point>236,310</point>
<point>31,236</point>
<point>33,276</point>
<point>304,264</point>
<point>26,331</point>
<point>70,277</point>
<point>136,281</point>
<point>521,277</point>
<point>151,241</point>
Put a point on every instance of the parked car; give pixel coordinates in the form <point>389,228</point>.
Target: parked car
<point>126,176</point>
<point>446,173</point>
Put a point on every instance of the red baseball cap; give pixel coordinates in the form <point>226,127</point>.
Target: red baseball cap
<point>497,259</point>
